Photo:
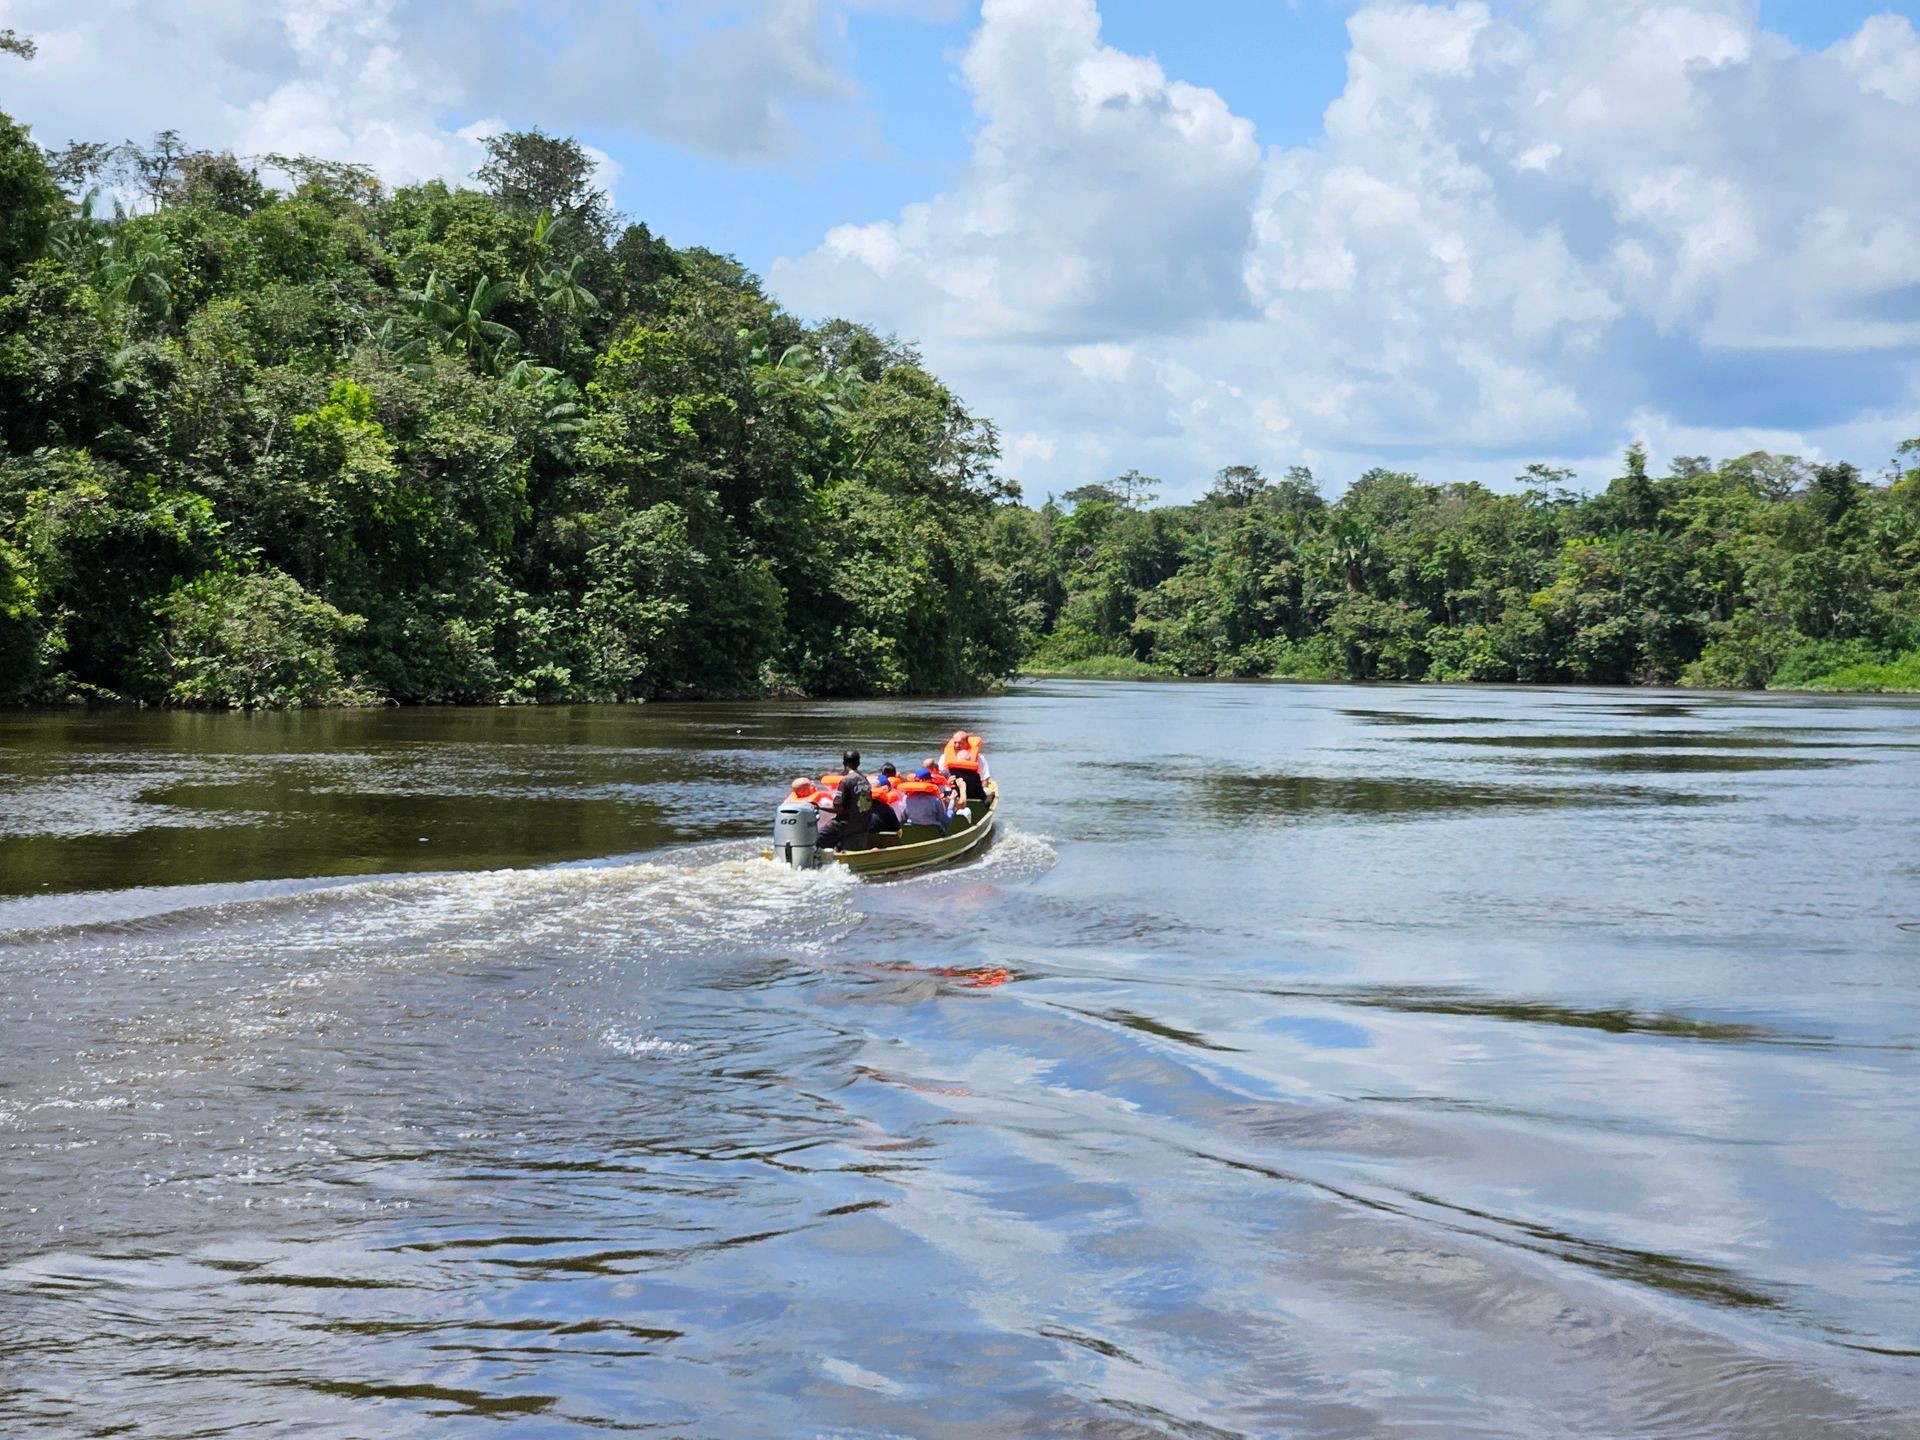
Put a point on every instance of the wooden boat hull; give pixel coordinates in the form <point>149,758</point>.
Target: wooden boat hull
<point>908,851</point>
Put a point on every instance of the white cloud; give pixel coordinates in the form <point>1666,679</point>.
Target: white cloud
<point>1101,194</point>
<point>1883,57</point>
<point>1529,227</point>
<point>1522,229</point>
<point>1025,447</point>
<point>1103,361</point>
<point>411,86</point>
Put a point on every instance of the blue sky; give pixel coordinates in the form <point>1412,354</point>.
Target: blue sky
<point>1279,64</point>
<point>1454,236</point>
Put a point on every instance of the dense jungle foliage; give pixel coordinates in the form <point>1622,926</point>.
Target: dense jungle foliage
<point>336,443</point>
<point>339,443</point>
<point>1760,571</point>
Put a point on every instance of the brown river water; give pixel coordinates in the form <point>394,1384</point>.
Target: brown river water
<point>1305,1061</point>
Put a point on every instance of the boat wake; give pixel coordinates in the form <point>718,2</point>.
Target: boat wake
<point>701,898</point>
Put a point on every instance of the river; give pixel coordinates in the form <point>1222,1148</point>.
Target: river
<point>1306,1061</point>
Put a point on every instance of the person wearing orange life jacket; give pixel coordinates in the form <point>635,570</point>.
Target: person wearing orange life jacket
<point>932,762</point>
<point>888,802</point>
<point>949,786</point>
<point>926,800</point>
<point>966,761</point>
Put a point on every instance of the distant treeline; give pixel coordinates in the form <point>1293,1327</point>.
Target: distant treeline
<point>1762,571</point>
<point>333,443</point>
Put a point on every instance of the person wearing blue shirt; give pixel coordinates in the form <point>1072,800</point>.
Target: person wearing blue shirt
<point>926,801</point>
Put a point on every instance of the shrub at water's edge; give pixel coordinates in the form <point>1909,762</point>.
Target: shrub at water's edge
<point>1095,667</point>
<point>1901,673</point>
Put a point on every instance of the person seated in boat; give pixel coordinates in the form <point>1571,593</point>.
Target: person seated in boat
<point>926,800</point>
<point>951,793</point>
<point>951,788</point>
<point>888,803</point>
<point>809,792</point>
<point>852,804</point>
<point>966,761</point>
<point>887,799</point>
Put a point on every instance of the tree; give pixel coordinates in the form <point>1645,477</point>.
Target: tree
<point>140,274</point>
<point>155,168</point>
<point>1137,490</point>
<point>536,173</point>
<point>15,44</point>
<point>1906,455</point>
<point>1296,494</point>
<point>1633,502</point>
<point>254,640</point>
<point>79,164</point>
<point>28,198</point>
<point>1773,476</point>
<point>460,325</point>
<point>355,183</point>
<point>1237,485</point>
<point>564,292</point>
<point>1834,491</point>
<point>1350,550</point>
<point>215,179</point>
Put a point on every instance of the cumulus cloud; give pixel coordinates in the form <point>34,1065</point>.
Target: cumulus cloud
<point>1527,231</point>
<point>1883,57</point>
<point>1102,196</point>
<point>410,86</point>
<point>732,82</point>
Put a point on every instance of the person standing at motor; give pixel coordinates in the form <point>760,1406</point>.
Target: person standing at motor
<point>852,804</point>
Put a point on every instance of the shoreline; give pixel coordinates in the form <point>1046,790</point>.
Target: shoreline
<point>1152,675</point>
<point>1137,672</point>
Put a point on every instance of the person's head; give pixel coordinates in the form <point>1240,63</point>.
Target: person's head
<point>802,787</point>
<point>959,737</point>
<point>923,773</point>
<point>850,761</point>
<point>890,770</point>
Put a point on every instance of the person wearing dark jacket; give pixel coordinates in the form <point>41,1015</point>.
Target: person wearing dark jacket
<point>852,804</point>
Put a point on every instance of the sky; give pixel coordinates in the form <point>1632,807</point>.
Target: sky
<point>1455,238</point>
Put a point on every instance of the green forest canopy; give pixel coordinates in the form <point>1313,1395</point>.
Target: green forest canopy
<point>338,443</point>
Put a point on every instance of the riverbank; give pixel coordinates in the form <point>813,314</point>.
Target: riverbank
<point>1897,676</point>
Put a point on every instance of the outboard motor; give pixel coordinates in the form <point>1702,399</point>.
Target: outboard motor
<point>796,834</point>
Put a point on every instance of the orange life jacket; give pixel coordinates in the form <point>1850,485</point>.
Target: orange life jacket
<point>823,793</point>
<point>921,787</point>
<point>961,757</point>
